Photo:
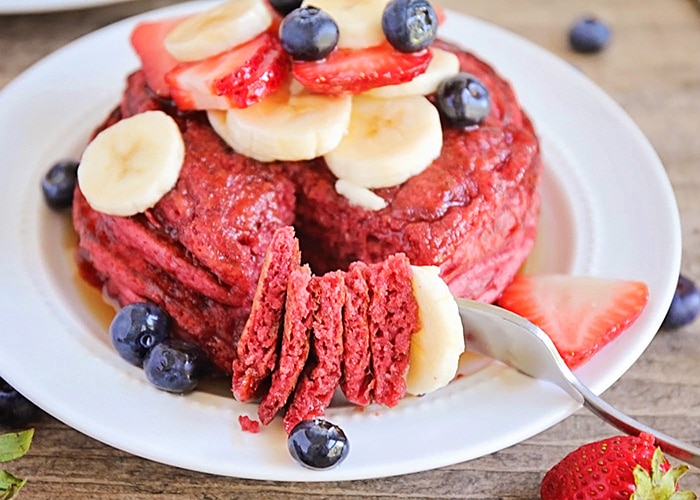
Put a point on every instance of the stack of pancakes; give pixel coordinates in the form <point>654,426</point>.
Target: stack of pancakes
<point>199,252</point>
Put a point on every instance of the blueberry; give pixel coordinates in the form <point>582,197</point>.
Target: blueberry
<point>58,184</point>
<point>136,328</point>
<point>174,366</point>
<point>318,444</point>
<point>15,410</point>
<point>463,100</point>
<point>589,35</point>
<point>308,34</point>
<point>685,305</point>
<point>409,25</point>
<point>284,7</point>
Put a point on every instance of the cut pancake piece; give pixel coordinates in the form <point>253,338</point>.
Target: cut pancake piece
<point>294,350</point>
<point>393,318</point>
<point>321,376</point>
<point>256,353</point>
<point>357,381</point>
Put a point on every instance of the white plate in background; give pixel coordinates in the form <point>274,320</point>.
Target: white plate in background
<point>37,6</point>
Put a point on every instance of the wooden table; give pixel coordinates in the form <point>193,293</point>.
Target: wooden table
<point>652,69</point>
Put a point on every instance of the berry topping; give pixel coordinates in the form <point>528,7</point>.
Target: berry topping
<point>308,34</point>
<point>136,328</point>
<point>581,314</point>
<point>147,39</point>
<point>15,410</point>
<point>59,183</point>
<point>589,35</point>
<point>617,467</point>
<point>235,78</point>
<point>317,444</point>
<point>409,25</point>
<point>284,7</point>
<point>174,366</point>
<point>353,71</point>
<point>685,305</point>
<point>463,100</point>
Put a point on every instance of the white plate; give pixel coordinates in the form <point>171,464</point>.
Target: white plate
<point>31,6</point>
<point>608,210</point>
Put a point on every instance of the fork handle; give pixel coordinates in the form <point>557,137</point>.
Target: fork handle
<point>683,451</point>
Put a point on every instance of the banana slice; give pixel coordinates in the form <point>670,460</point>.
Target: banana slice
<point>444,64</point>
<point>291,124</point>
<point>218,29</point>
<point>129,166</point>
<point>359,21</point>
<point>389,140</point>
<point>436,348</point>
<point>359,196</point>
<point>217,120</point>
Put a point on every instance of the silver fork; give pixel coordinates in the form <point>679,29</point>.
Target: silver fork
<point>515,341</point>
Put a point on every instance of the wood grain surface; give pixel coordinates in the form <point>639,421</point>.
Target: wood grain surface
<point>651,68</point>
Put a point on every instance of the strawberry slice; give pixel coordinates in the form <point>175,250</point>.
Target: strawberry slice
<point>441,14</point>
<point>234,78</point>
<point>353,71</point>
<point>580,314</point>
<point>147,40</point>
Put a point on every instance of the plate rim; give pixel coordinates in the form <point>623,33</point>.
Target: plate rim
<point>46,6</point>
<point>564,408</point>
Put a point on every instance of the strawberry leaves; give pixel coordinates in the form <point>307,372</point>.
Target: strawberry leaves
<point>10,485</point>
<point>659,484</point>
<point>13,445</point>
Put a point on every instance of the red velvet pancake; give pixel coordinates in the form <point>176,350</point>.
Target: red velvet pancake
<point>393,318</point>
<point>294,345</point>
<point>357,382</point>
<point>199,251</point>
<point>256,352</point>
<point>321,375</point>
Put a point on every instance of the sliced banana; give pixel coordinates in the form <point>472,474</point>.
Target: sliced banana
<point>437,347</point>
<point>292,124</point>
<point>128,167</point>
<point>217,120</point>
<point>388,141</point>
<point>218,29</point>
<point>444,64</point>
<point>359,196</point>
<point>359,21</point>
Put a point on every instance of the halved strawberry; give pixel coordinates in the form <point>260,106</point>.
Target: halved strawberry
<point>235,78</point>
<point>353,71</point>
<point>147,40</point>
<point>580,314</point>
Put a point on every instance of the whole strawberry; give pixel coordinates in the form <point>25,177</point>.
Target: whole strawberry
<point>621,467</point>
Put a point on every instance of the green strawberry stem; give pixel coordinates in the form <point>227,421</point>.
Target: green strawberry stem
<point>13,445</point>
<point>660,485</point>
<point>9,485</point>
